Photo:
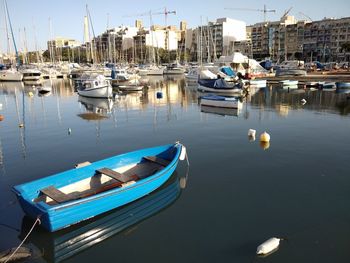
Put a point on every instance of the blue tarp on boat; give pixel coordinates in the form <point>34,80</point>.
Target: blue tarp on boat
<point>228,71</point>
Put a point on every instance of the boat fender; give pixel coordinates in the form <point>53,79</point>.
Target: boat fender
<point>265,137</point>
<point>183,153</point>
<point>268,246</point>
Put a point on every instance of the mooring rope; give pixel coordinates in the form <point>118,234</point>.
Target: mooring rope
<point>30,231</point>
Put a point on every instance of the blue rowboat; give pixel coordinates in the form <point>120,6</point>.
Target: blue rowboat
<point>343,85</point>
<point>61,245</point>
<point>66,198</point>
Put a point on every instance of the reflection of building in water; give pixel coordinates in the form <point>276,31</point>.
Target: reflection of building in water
<point>282,110</point>
<point>284,101</point>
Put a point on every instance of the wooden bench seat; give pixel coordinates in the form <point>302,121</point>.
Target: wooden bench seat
<point>157,160</point>
<point>55,194</point>
<point>123,178</point>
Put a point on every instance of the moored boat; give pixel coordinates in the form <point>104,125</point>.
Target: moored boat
<point>65,244</point>
<point>75,195</point>
<point>329,86</point>
<point>219,86</point>
<point>220,101</point>
<point>95,87</point>
<point>289,82</point>
<point>10,75</point>
<point>343,85</point>
<point>259,83</point>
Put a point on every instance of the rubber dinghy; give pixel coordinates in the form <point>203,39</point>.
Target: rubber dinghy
<point>66,198</point>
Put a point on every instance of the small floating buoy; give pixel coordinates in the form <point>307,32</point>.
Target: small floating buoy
<point>0,106</point>
<point>268,246</point>
<point>303,101</point>
<point>21,125</point>
<point>33,86</point>
<point>159,95</point>
<point>30,94</point>
<point>251,133</point>
<point>265,137</point>
<point>69,130</point>
<point>2,117</point>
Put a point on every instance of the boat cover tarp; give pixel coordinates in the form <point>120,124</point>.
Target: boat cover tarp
<point>228,71</point>
<point>215,84</point>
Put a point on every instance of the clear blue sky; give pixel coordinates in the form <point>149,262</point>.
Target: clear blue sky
<point>67,15</point>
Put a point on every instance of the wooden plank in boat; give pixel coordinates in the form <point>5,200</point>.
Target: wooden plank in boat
<point>55,194</point>
<point>115,175</point>
<point>157,160</point>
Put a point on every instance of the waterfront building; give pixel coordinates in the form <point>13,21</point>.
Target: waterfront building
<point>215,39</point>
<point>288,39</point>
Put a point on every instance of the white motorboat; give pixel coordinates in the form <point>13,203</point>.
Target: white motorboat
<point>174,69</point>
<point>31,74</point>
<point>289,82</point>
<point>259,83</point>
<point>10,75</point>
<point>95,87</point>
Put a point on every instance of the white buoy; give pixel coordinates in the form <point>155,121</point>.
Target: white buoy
<point>303,101</point>
<point>268,246</point>
<point>69,130</point>
<point>0,106</point>
<point>251,133</point>
<point>265,137</point>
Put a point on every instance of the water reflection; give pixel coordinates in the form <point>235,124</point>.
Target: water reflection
<point>66,243</point>
<point>96,108</point>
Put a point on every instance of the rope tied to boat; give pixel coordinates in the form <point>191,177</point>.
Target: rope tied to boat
<point>24,239</point>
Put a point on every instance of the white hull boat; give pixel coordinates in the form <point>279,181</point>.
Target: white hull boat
<point>10,75</point>
<point>98,87</point>
<point>289,82</point>
<point>260,83</point>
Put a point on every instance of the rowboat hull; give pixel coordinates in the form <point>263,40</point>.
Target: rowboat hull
<point>65,244</point>
<point>61,215</point>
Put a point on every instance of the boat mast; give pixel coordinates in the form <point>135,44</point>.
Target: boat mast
<point>13,37</point>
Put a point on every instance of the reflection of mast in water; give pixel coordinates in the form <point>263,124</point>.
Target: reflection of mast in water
<point>2,165</point>
<point>21,124</point>
<point>58,103</point>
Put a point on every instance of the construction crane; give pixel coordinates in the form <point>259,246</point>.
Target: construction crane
<point>150,14</point>
<point>306,16</point>
<point>286,12</point>
<point>252,9</point>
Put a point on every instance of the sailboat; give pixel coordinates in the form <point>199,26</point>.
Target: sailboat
<point>11,74</point>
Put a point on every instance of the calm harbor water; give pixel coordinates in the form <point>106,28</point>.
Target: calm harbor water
<point>235,194</point>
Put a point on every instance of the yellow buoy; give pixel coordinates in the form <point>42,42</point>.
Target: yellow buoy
<point>265,137</point>
<point>30,94</point>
